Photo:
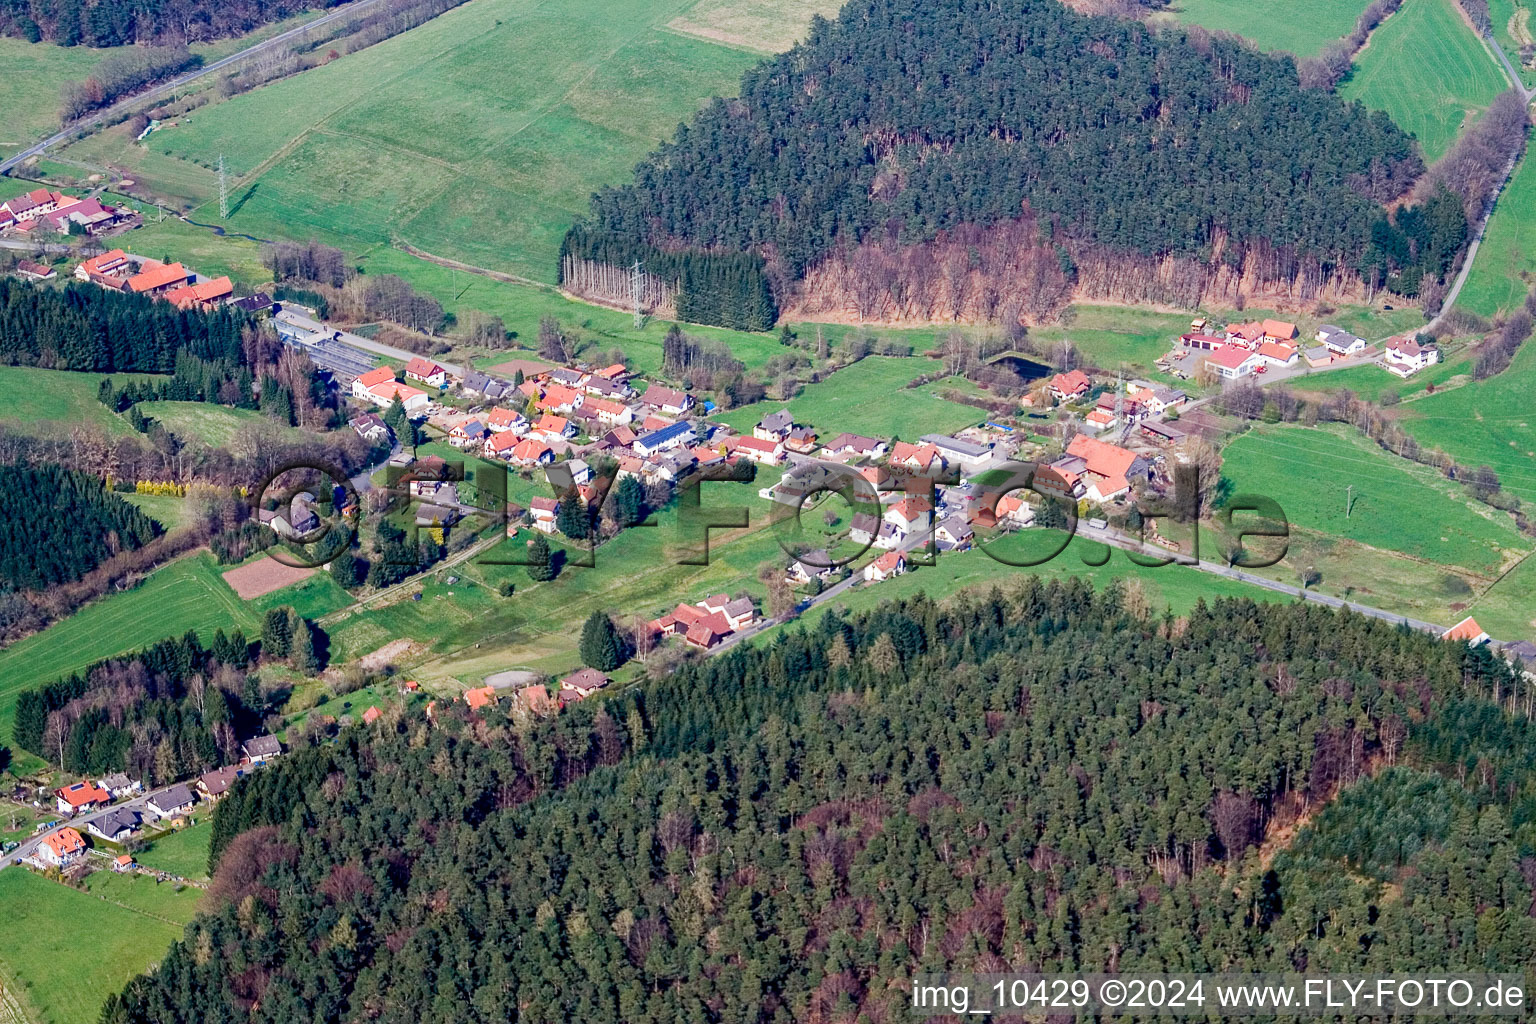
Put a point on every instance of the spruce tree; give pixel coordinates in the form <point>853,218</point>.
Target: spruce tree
<point>305,660</point>
<point>601,647</point>
<point>572,519</point>
<point>541,564</point>
<point>629,502</point>
<point>344,570</point>
<point>276,634</point>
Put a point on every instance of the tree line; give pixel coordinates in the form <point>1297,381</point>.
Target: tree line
<point>120,74</point>
<point>101,23</point>
<point>1041,778</point>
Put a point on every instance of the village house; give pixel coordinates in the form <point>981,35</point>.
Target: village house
<point>1234,361</point>
<point>892,563</point>
<point>119,785</point>
<point>500,445</point>
<point>116,826</point>
<point>261,749</point>
<point>1202,342</point>
<point>469,434</point>
<point>80,797</point>
<point>609,412</point>
<point>552,428</point>
<point>373,714</point>
<point>380,387</point>
<point>255,304</point>
<point>35,271</point>
<point>1405,356</point>
<point>1467,630</point>
<point>970,456</point>
<point>62,848</point>
<point>1276,353</point>
<point>1013,510</point>
<point>863,528</point>
<point>673,403</point>
<point>543,512</point>
<point>1107,469</point>
<point>370,427</point>
<point>768,453</point>
<point>476,382</point>
<point>775,426</point>
<point>173,803</point>
<point>480,697</point>
<point>802,440</point>
<point>566,376</point>
<point>155,278</point>
<point>201,295</point>
<point>954,533</point>
<point>212,786</point>
<point>498,420</point>
<point>1157,398</point>
<point>560,399</point>
<point>909,514</point>
<point>110,269</point>
<point>531,451</point>
<point>921,459</point>
<point>676,435</point>
<point>855,445</point>
<point>427,372</point>
<point>813,565</point>
<point>1339,342</point>
<point>1062,478</point>
<point>582,683</point>
<point>1069,386</point>
<point>1101,417</point>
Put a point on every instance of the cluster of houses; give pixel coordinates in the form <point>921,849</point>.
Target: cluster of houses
<point>41,210</point>
<point>1244,349</point>
<point>535,697</point>
<point>92,803</point>
<point>707,623</point>
<point>173,282</point>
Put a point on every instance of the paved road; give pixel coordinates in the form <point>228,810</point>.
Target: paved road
<point>168,87</point>
<point>139,803</point>
<point>359,342</point>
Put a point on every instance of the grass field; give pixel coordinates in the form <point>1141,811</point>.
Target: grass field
<point>867,398</point>
<point>1302,27</point>
<point>187,594</point>
<point>1397,505</point>
<point>212,425</point>
<point>1490,422</point>
<point>69,950</point>
<point>60,398</point>
<point>1501,275</point>
<point>168,510</point>
<point>479,135</point>
<point>1372,382</point>
<point>767,26</point>
<point>1426,68</point>
<point>183,853</point>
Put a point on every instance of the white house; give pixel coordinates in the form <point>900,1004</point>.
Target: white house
<point>768,453</point>
<point>1339,341</point>
<point>426,371</point>
<point>62,848</point>
<point>1232,361</point>
<point>892,563</point>
<point>543,512</point>
<point>1405,356</point>
<point>669,401</point>
<point>174,802</point>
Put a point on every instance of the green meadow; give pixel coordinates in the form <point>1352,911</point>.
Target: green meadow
<point>1426,67</point>
<point>1485,423</point>
<point>478,136</point>
<point>68,950</point>
<point>183,853</point>
<point>61,398</point>
<point>1302,27</point>
<point>871,398</point>
<point>1501,274</point>
<point>1395,504</point>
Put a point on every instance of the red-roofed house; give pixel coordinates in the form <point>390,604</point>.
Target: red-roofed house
<point>1234,361</point>
<point>674,403</point>
<point>1012,508</point>
<point>81,796</point>
<point>609,412</point>
<point>371,715</point>
<point>553,428</point>
<point>110,269</point>
<point>1276,353</point>
<point>483,697</point>
<point>559,398</point>
<point>501,444</point>
<point>203,295</point>
<point>414,399</point>
<point>426,371</point>
<point>1277,330</point>
<point>1109,468</point>
<point>757,450</point>
<point>360,386</point>
<point>1467,629</point>
<point>531,451</point>
<point>910,514</point>
<point>708,631</point>
<point>544,512</point>
<point>154,278</point>
<point>1064,387</point>
<point>892,563</point>
<point>62,848</point>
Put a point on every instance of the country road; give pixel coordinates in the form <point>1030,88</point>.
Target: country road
<point>170,86</point>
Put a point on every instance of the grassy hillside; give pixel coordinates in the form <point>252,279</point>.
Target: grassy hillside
<point>69,950</point>
<point>59,398</point>
<point>479,135</point>
<point>767,26</point>
<point>1302,27</point>
<point>1486,423</point>
<point>1426,68</point>
<point>1501,275</point>
<point>1397,505</point>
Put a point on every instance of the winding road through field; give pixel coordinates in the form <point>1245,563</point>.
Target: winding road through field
<point>170,86</point>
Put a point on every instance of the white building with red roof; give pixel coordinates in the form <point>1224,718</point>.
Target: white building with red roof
<point>426,371</point>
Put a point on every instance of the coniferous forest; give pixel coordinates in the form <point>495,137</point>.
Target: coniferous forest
<point>1043,778</point>
<point>83,327</point>
<point>906,121</point>
<point>58,524</point>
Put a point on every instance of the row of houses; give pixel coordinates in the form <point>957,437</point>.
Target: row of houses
<point>173,282</point>
<point>118,824</point>
<point>42,210</point>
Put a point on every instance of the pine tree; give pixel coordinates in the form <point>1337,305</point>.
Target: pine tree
<point>629,502</point>
<point>601,647</point>
<point>541,565</point>
<point>572,518</point>
<point>399,421</point>
<point>277,634</point>
<point>344,570</point>
<point>305,660</point>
